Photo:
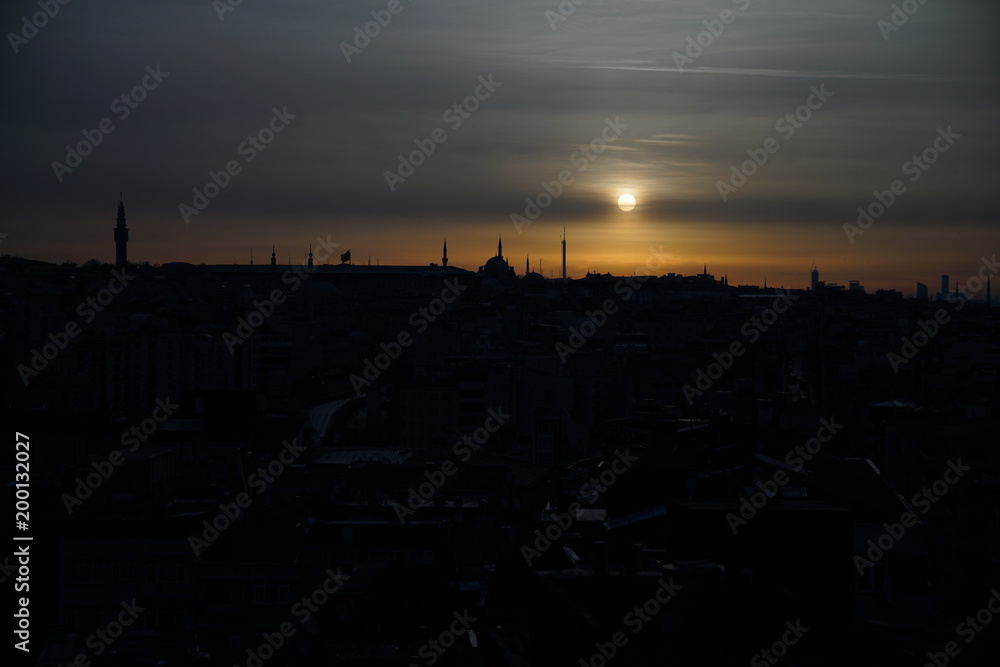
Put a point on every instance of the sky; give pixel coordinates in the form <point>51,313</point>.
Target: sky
<point>671,108</point>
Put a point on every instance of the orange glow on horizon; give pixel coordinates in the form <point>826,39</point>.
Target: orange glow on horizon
<point>616,243</point>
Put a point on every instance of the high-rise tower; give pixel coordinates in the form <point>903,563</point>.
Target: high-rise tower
<point>814,274</point>
<point>564,252</point>
<point>121,235</point>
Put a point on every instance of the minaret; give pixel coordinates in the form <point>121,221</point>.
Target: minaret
<point>310,254</point>
<point>500,247</point>
<point>444,254</point>
<point>274,258</point>
<point>121,235</point>
<point>251,256</point>
<point>564,252</point>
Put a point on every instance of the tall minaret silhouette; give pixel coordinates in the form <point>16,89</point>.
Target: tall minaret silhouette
<point>310,254</point>
<point>527,265</point>
<point>121,235</point>
<point>500,247</point>
<point>564,251</point>
<point>444,254</point>
<point>251,256</point>
<point>274,258</point>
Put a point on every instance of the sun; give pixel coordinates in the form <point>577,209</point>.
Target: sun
<point>626,202</point>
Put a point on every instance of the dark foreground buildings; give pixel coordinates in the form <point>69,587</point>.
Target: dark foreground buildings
<point>340,464</point>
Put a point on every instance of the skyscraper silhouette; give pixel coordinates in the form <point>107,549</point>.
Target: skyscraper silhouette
<point>121,235</point>
<point>564,252</point>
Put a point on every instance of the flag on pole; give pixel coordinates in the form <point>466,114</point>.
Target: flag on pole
<point>345,257</point>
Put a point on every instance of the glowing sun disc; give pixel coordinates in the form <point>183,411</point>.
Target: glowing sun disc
<point>626,202</point>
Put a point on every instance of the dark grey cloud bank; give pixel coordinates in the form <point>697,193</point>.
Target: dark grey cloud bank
<point>606,60</point>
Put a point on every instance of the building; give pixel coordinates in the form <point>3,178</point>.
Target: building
<point>498,269</point>
<point>121,236</point>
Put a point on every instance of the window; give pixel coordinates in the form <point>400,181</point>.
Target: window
<point>226,593</point>
<point>171,572</point>
<point>83,571</point>
<point>165,619</point>
<point>271,591</point>
<point>84,619</point>
<point>122,570</point>
<point>873,578</point>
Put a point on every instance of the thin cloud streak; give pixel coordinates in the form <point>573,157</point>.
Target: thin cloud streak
<point>787,73</point>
